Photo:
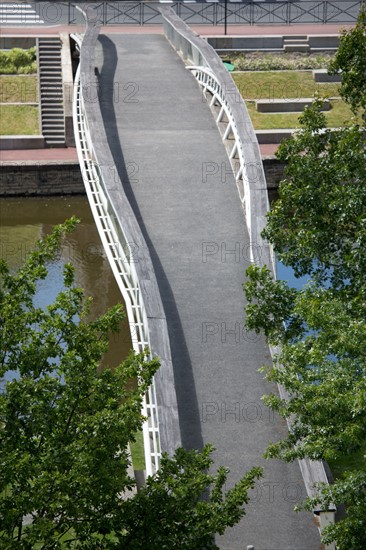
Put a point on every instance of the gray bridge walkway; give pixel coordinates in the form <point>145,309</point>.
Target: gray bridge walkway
<point>167,148</point>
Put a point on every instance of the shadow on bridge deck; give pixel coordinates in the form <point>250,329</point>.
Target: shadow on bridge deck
<point>167,149</point>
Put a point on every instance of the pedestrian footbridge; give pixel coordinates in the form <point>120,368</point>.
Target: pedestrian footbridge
<point>175,181</point>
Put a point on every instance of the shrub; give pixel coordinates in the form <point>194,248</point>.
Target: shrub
<point>258,61</point>
<point>18,61</point>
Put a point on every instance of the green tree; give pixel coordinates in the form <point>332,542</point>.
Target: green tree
<point>65,425</point>
<point>169,511</point>
<point>318,228</point>
<point>350,61</point>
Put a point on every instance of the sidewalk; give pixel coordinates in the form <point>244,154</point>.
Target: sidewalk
<point>68,154</point>
<point>204,30</point>
<point>36,156</point>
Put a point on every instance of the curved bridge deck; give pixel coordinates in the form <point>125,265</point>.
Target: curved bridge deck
<point>167,148</point>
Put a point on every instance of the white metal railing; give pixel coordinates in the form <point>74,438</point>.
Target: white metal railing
<point>120,257</point>
<point>214,79</point>
<point>210,83</point>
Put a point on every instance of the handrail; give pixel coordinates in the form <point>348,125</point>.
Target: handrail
<point>120,261</point>
<point>241,168</point>
<point>214,78</point>
<point>121,239</point>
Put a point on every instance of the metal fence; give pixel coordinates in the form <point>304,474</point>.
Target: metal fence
<point>145,12</point>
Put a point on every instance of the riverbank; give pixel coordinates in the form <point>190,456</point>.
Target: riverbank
<point>56,172</point>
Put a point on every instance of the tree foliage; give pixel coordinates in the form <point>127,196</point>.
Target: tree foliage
<point>318,228</point>
<point>188,521</point>
<point>65,425</point>
<point>350,61</point>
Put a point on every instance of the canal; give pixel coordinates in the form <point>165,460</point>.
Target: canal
<point>25,220</point>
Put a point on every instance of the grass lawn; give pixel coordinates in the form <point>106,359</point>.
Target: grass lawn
<point>15,89</point>
<point>339,115</point>
<point>137,452</point>
<point>285,85</point>
<point>281,85</point>
<point>18,120</point>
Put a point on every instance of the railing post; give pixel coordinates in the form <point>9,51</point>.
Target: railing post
<point>142,13</point>
<point>178,10</point>
<point>104,13</point>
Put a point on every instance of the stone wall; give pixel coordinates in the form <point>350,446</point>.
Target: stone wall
<point>274,172</point>
<point>27,178</point>
<point>40,179</point>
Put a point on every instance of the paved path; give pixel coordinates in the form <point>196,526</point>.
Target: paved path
<point>204,30</point>
<point>69,154</point>
<point>63,154</point>
<point>163,135</point>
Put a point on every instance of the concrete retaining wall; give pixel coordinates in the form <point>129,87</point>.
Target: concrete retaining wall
<point>27,179</point>
<point>287,105</point>
<point>24,179</point>
<point>315,43</point>
<point>67,86</point>
<point>10,42</point>
<point>8,143</point>
<point>274,172</point>
<point>321,75</point>
<point>269,43</point>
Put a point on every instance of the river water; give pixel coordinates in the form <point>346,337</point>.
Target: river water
<point>23,221</point>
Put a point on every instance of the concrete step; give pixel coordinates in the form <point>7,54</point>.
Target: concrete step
<point>49,70</point>
<point>53,123</point>
<point>51,131</point>
<point>286,105</point>
<point>295,41</point>
<point>52,108</point>
<point>53,134</point>
<point>49,50</point>
<point>53,118</point>
<point>46,54</point>
<point>49,42</point>
<point>48,131</point>
<point>56,144</point>
<point>52,103</point>
<point>296,47</point>
<point>321,75</point>
<point>295,37</point>
<point>51,89</point>
<point>51,77</point>
<point>52,94</point>
<point>46,62</point>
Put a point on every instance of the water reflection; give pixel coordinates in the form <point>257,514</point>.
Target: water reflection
<point>23,221</point>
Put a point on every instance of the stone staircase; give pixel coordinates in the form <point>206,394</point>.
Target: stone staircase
<point>296,43</point>
<point>51,91</point>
